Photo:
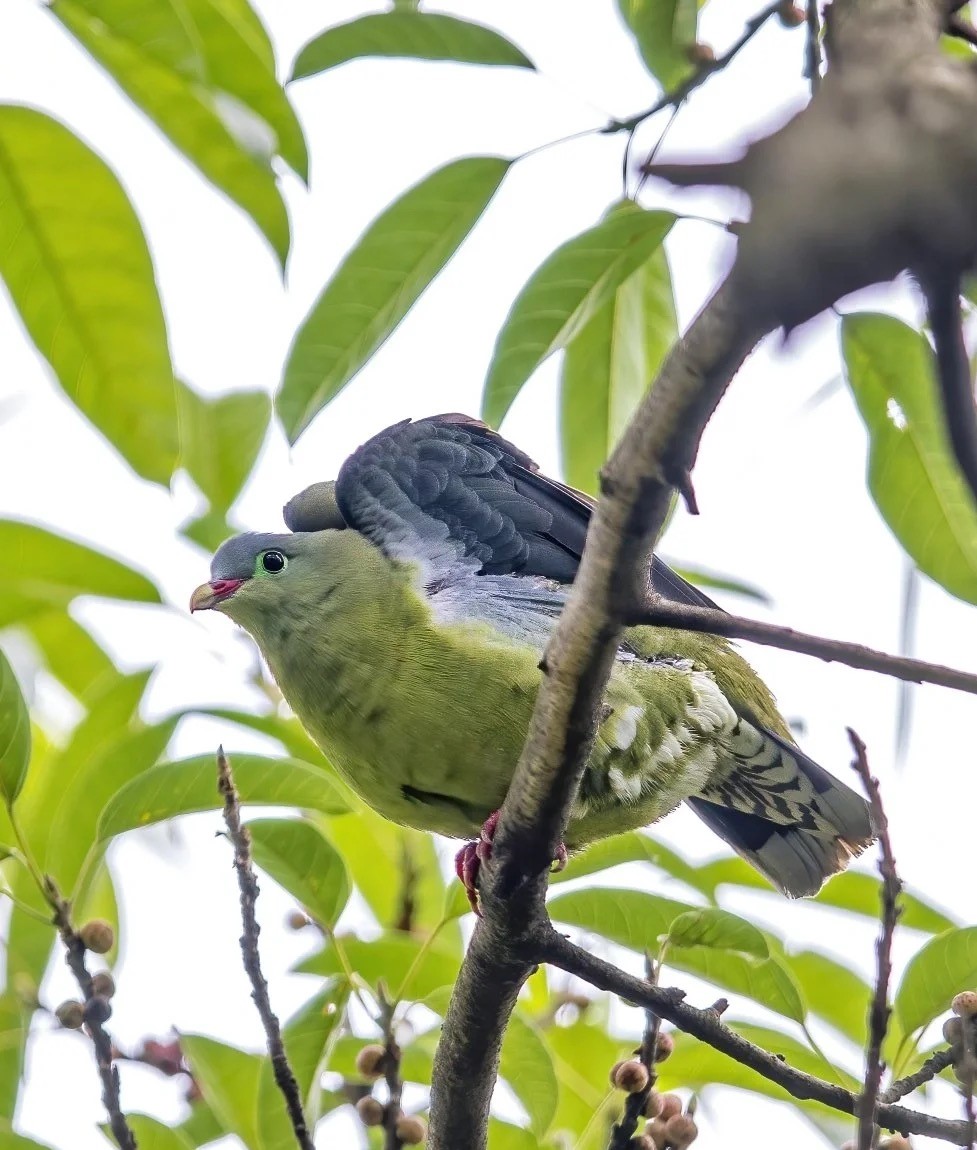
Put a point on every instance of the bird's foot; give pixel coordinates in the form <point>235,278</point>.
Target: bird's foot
<point>468,861</point>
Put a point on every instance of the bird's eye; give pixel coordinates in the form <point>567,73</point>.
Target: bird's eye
<point>273,561</point>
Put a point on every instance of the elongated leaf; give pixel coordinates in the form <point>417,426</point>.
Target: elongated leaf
<point>563,295</point>
<point>378,282</point>
<point>505,1136</point>
<point>308,1039</point>
<point>912,475</point>
<point>421,35</point>
<point>81,277</point>
<point>634,846</point>
<point>14,1023</point>
<point>391,957</point>
<point>833,992</point>
<point>151,1134</point>
<point>861,893</point>
<point>528,1068</point>
<point>51,569</point>
<point>289,732</point>
<point>230,145</point>
<point>631,918</point>
<point>768,981</point>
<point>70,652</point>
<point>611,363</point>
<point>582,1056</point>
<point>190,785</point>
<point>299,857</point>
<point>229,1080</point>
<point>220,440</point>
<point>718,930</point>
<point>664,31</point>
<point>714,580</point>
<point>946,965</point>
<point>15,734</point>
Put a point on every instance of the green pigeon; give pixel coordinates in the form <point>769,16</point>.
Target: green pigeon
<point>404,617</point>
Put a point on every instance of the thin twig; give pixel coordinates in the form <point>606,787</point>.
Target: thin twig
<point>634,1108</point>
<point>966,1071</point>
<point>248,885</point>
<point>813,47</point>
<point>879,1011</point>
<point>933,1065</point>
<point>682,91</point>
<point>391,1072</point>
<point>663,613</point>
<point>708,1026</point>
<point>104,1049</point>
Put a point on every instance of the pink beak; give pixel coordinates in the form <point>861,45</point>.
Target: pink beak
<point>208,595</point>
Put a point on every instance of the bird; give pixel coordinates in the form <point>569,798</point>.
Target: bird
<point>404,615</point>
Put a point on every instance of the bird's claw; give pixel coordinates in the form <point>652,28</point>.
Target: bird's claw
<point>468,861</point>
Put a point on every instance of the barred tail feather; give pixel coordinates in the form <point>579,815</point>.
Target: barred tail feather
<point>804,829</point>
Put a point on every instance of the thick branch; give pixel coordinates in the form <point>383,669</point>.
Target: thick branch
<point>248,884</point>
<point>707,1026</point>
<point>662,613</point>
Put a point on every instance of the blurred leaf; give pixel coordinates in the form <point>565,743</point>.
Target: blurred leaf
<point>82,279</point>
<point>833,992</point>
<point>765,980</point>
<point>152,1134</point>
<point>383,860</point>
<point>220,440</point>
<point>52,569</point>
<point>718,930</point>
<point>15,734</point>
<point>421,35</point>
<point>718,582</point>
<point>190,785</point>
<point>227,141</point>
<point>308,1038</point>
<point>300,858</point>
<point>633,846</point>
<point>14,1023</point>
<point>528,1068</point>
<point>98,900</point>
<point>611,363</point>
<point>505,1136</point>
<point>201,1125</point>
<point>942,968</point>
<point>208,530</point>
<point>912,474</point>
<point>391,957</point>
<point>631,918</point>
<point>583,1055</point>
<point>563,295</point>
<point>70,653</point>
<point>229,1080</point>
<point>378,282</point>
<point>11,1141</point>
<point>289,732</point>
<point>664,31</point>
<point>861,893</point>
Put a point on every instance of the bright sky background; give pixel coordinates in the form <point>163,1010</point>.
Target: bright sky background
<point>780,484</point>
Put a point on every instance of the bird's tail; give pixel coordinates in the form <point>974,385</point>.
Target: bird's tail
<point>785,815</point>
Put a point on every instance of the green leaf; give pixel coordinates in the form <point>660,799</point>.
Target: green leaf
<point>861,893</point>
<point>942,968</point>
<point>633,846</point>
<point>308,1039</point>
<point>14,1024</point>
<point>421,35</point>
<point>229,143</point>
<point>221,439</point>
<point>663,30</point>
<point>300,858</point>
<point>11,1141</point>
<point>718,930</point>
<point>81,277</point>
<point>505,1136</point>
<point>631,918</point>
<point>208,530</point>
<point>99,900</point>
<point>391,957</point>
<point>289,732</point>
<point>766,980</point>
<point>528,1068</point>
<point>190,785</point>
<point>713,579</point>
<point>912,474</point>
<point>51,570</point>
<point>583,1055</point>
<point>833,992</point>
<point>378,282</point>
<point>70,653</point>
<point>611,363</point>
<point>229,1080</point>
<point>151,1134</point>
<point>563,295</point>
<point>15,734</point>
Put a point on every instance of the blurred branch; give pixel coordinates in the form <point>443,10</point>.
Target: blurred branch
<point>879,1010</point>
<point>248,885</point>
<point>933,1065</point>
<point>391,1073</point>
<point>634,1107</point>
<point>97,1011</point>
<point>812,69</point>
<point>662,613</point>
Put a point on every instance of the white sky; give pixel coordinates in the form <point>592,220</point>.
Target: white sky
<point>781,487</point>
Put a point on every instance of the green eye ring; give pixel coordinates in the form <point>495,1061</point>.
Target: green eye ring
<point>272,562</point>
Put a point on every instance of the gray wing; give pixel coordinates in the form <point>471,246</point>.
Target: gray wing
<point>447,490</point>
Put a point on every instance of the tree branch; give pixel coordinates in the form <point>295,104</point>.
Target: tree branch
<point>662,613</point>
<point>933,1065</point>
<point>248,885</point>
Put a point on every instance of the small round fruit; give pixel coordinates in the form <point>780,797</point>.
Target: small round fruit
<point>98,1010</point>
<point>655,1133</point>
<point>97,935</point>
<point>671,1105</point>
<point>681,1131</point>
<point>664,1046</point>
<point>965,1004</point>
<point>297,920</point>
<point>70,1014</point>
<point>790,15</point>
<point>370,1110</point>
<point>702,55</point>
<point>103,984</point>
<point>643,1142</point>
<point>653,1104</point>
<point>953,1031</point>
<point>411,1130</point>
<point>370,1061</point>
<point>632,1076</point>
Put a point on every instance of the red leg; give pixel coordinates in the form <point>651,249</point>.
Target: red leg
<point>468,861</point>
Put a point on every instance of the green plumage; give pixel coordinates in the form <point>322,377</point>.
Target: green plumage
<point>416,671</point>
